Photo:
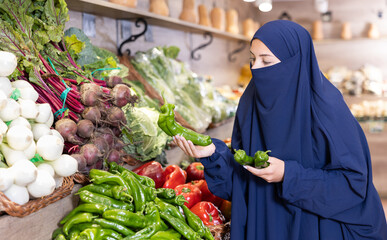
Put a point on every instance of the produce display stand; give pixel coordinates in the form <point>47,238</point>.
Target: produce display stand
<point>40,225</point>
<point>116,11</point>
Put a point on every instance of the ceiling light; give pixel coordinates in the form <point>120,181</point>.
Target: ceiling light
<point>264,5</point>
<point>249,0</point>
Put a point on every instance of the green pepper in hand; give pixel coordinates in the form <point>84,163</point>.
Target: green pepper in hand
<point>168,124</point>
<point>261,159</point>
<point>242,158</point>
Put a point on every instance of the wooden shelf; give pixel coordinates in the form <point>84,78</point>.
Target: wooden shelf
<point>117,11</point>
<point>354,40</point>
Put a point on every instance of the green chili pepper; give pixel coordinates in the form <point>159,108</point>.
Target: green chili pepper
<point>197,224</point>
<point>77,218</point>
<point>166,193</point>
<point>168,124</point>
<point>126,218</point>
<point>89,197</point>
<point>147,181</point>
<point>179,200</point>
<point>169,234</point>
<point>242,158</point>
<point>138,191</point>
<point>261,159</point>
<point>103,233</point>
<point>57,232</point>
<point>121,193</point>
<point>104,189</point>
<point>73,234</point>
<point>169,209</point>
<point>112,178</point>
<point>114,226</point>
<point>145,233</point>
<point>60,237</point>
<point>82,226</point>
<point>86,207</point>
<point>89,234</point>
<point>180,226</point>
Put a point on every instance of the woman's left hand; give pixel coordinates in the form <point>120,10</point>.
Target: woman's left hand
<point>271,174</point>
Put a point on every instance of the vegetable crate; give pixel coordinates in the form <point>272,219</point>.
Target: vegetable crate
<point>32,206</point>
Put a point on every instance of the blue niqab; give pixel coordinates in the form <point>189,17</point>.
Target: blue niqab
<point>293,110</point>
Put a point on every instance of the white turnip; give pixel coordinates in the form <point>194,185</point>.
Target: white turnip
<point>44,112</point>
<point>6,179</point>
<point>28,94</point>
<point>56,133</point>
<point>17,194</point>
<point>65,165</point>
<point>11,111</point>
<point>43,185</point>
<point>5,86</point>
<point>47,167</point>
<point>12,156</point>
<point>39,130</point>
<point>30,151</point>
<point>20,121</point>
<point>28,108</point>
<point>19,137</point>
<point>3,100</point>
<point>49,147</point>
<point>24,172</point>
<point>8,63</point>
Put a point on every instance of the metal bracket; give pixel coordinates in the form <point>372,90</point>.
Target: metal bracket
<point>205,35</point>
<point>133,37</point>
<point>242,46</point>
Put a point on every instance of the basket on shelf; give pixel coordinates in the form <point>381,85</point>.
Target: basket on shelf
<point>81,178</point>
<point>32,206</point>
<point>221,232</point>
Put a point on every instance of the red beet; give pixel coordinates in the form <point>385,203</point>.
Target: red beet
<point>119,144</point>
<point>113,81</point>
<point>81,161</point>
<point>93,114</point>
<point>121,95</point>
<point>116,117</point>
<point>105,133</point>
<point>101,144</point>
<point>68,129</point>
<point>114,156</point>
<point>91,153</point>
<point>85,128</point>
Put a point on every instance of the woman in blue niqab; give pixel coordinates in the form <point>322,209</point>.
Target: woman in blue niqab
<point>325,188</point>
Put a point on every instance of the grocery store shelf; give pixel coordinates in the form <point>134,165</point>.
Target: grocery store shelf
<point>365,97</point>
<point>354,40</point>
<point>117,11</point>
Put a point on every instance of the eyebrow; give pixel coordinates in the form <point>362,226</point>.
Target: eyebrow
<point>263,55</point>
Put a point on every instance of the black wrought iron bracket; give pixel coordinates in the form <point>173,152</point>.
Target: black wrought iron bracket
<point>133,37</point>
<point>205,35</point>
<point>242,46</point>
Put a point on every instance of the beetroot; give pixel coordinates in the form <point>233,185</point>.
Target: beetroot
<point>90,94</point>
<point>93,114</point>
<point>85,128</point>
<point>121,95</point>
<point>118,144</point>
<point>81,161</point>
<point>68,129</point>
<point>116,117</point>
<point>116,131</point>
<point>91,153</point>
<point>101,144</point>
<point>99,164</point>
<point>105,133</point>
<point>113,81</point>
<point>114,156</point>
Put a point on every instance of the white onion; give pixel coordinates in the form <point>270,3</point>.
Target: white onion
<point>20,121</point>
<point>43,185</point>
<point>11,111</point>
<point>17,194</point>
<point>8,63</point>
<point>19,137</point>
<point>6,179</point>
<point>28,108</point>
<point>65,165</point>
<point>44,112</point>
<point>28,94</point>
<point>49,147</point>
<point>12,156</point>
<point>39,130</point>
<point>24,172</point>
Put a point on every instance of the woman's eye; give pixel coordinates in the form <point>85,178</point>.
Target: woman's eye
<point>252,60</point>
<point>266,63</point>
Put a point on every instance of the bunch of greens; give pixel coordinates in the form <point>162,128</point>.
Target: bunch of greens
<point>146,140</point>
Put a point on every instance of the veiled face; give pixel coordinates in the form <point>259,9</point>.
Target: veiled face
<point>261,56</point>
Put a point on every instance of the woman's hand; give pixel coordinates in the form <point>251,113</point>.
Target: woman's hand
<point>191,150</point>
<point>273,173</point>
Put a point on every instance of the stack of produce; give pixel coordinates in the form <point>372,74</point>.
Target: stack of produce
<point>370,110</point>
<point>66,71</point>
<point>120,204</point>
<point>32,163</point>
<point>190,184</point>
<point>195,98</point>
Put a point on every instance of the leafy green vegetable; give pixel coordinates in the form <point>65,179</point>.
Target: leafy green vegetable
<point>148,140</point>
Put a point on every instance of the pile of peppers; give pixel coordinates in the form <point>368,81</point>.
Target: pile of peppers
<point>119,204</point>
<point>168,124</point>
<point>260,159</point>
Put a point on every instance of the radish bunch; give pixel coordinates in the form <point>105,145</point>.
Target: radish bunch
<point>95,137</point>
<point>26,134</point>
